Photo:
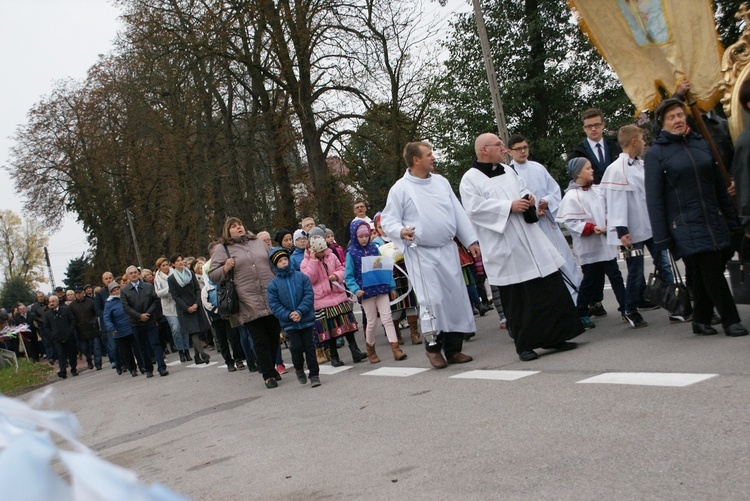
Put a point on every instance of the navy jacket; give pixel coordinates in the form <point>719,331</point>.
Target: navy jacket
<point>611,151</point>
<point>289,291</point>
<point>688,204</point>
<point>115,318</point>
<point>60,324</point>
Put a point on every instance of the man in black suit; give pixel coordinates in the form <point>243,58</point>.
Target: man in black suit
<point>141,304</point>
<point>599,151</point>
<point>61,326</point>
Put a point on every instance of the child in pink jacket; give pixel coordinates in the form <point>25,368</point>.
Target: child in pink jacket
<point>334,316</point>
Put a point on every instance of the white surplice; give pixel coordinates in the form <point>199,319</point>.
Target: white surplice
<point>625,187</point>
<point>578,208</point>
<point>513,251</point>
<point>544,187</point>
<point>430,206</point>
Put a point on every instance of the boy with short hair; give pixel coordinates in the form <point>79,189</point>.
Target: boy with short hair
<point>583,212</point>
<point>628,224</point>
<point>290,297</point>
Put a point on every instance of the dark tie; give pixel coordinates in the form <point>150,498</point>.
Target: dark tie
<point>600,153</point>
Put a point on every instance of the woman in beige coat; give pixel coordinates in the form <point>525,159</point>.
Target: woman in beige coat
<point>247,255</point>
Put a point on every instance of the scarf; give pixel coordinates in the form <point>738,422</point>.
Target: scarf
<point>183,278</point>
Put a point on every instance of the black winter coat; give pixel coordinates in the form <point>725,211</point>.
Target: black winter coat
<point>87,323</point>
<point>144,301</point>
<point>688,204</point>
<point>184,298</point>
<point>60,324</point>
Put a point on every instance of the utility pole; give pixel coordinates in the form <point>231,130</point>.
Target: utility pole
<point>497,103</point>
<point>135,241</point>
<point>49,269</point>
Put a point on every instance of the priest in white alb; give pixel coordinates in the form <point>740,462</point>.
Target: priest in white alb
<point>518,257</point>
<point>547,193</point>
<point>421,216</point>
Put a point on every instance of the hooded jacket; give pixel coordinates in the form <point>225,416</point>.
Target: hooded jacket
<point>318,270</point>
<point>354,256</point>
<point>115,318</point>
<point>289,291</point>
<point>688,204</point>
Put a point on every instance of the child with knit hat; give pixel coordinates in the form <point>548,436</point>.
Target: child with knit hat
<point>374,298</point>
<point>583,212</point>
<point>290,297</point>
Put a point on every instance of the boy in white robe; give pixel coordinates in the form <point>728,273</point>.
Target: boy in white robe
<point>547,193</point>
<point>583,212</point>
<point>422,209</point>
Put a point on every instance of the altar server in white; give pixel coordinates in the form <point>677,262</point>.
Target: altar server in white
<point>421,209</point>
<point>518,257</point>
<point>546,191</point>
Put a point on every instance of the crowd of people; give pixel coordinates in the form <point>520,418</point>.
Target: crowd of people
<point>428,262</point>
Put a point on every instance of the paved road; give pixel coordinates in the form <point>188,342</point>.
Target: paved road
<point>210,434</point>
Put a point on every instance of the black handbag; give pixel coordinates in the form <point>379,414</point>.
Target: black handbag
<point>739,277</point>
<point>226,294</point>
<point>675,298</point>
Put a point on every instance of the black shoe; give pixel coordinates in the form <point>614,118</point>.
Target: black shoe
<point>276,375</point>
<point>527,356</point>
<point>150,374</point>
<point>674,319</point>
<point>336,362</point>
<point>188,358</point>
<point>715,319</point>
<point>301,378</point>
<point>597,310</point>
<point>734,330</point>
<point>90,365</point>
<point>252,367</point>
<point>474,310</point>
<point>62,375</point>
<point>163,372</point>
<point>314,381</point>
<point>703,329</point>
<point>646,305</point>
<point>240,365</point>
<point>482,309</point>
<point>183,358</point>
<point>357,355</point>
<point>206,358</point>
<point>271,383</point>
<point>469,335</point>
<point>231,368</point>
<point>119,371</point>
<point>564,346</point>
<point>75,371</point>
<point>198,360</point>
<point>634,319</point>
<point>134,373</point>
<point>99,368</point>
<point>587,323</point>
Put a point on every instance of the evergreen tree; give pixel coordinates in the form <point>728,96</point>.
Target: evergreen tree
<point>548,74</point>
<point>75,274</point>
<point>15,290</point>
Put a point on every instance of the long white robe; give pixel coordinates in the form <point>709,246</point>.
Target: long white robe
<point>578,208</point>
<point>430,206</point>
<point>513,251</point>
<point>625,187</point>
<point>544,187</point>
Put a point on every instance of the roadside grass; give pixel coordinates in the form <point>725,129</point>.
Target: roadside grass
<point>30,375</point>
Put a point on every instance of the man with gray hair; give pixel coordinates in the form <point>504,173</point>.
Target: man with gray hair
<point>140,302</point>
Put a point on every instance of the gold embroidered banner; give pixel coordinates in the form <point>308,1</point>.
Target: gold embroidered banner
<point>656,43</point>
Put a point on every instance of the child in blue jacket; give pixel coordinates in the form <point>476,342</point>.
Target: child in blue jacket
<point>290,296</point>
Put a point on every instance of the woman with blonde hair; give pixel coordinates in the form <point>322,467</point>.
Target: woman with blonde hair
<point>169,309</point>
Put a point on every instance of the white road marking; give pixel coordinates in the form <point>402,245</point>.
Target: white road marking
<point>494,375</point>
<point>395,371</point>
<point>649,378</point>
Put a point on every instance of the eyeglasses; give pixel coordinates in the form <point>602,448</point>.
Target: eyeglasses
<point>593,126</point>
<point>499,144</point>
<point>520,148</point>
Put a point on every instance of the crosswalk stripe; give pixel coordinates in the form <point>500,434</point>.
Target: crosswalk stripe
<point>202,366</point>
<point>329,370</point>
<point>494,375</point>
<point>649,378</point>
<point>395,371</point>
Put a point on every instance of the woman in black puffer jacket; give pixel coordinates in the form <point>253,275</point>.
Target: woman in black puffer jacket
<point>692,215</point>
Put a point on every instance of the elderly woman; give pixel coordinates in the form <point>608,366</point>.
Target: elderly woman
<point>168,308</point>
<point>247,256</point>
<point>186,293</point>
<point>691,215</point>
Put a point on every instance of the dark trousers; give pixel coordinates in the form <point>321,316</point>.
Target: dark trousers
<point>34,348</point>
<point>92,350</point>
<point>592,285</point>
<point>449,342</point>
<point>264,332</point>
<point>710,288</point>
<point>482,290</point>
<point>147,337</point>
<point>302,348</point>
<point>49,345</point>
<point>125,348</point>
<point>228,340</point>
<point>67,354</point>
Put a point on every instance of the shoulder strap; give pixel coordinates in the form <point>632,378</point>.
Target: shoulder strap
<point>229,276</point>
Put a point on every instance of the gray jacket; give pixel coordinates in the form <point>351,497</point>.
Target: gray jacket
<point>135,303</point>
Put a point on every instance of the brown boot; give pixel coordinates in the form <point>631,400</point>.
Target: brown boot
<point>320,356</point>
<point>371,355</point>
<point>397,353</point>
<point>414,329</point>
